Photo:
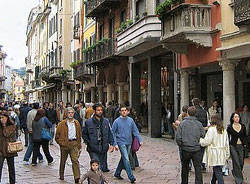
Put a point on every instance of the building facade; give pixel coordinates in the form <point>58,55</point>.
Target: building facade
<point>2,74</point>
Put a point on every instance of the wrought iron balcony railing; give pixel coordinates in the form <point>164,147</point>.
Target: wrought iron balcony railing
<point>76,33</point>
<point>100,52</point>
<point>82,71</point>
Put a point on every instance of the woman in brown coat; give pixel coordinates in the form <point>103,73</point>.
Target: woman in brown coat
<point>7,134</point>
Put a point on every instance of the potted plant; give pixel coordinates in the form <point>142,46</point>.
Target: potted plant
<point>129,22</point>
<point>145,14</point>
<point>137,17</point>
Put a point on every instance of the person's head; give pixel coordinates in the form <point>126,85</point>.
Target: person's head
<point>60,104</point>
<point>46,105</point>
<point>215,103</point>
<point>196,102</point>
<point>5,119</point>
<point>40,113</point>
<point>51,105</point>
<point>77,107</point>
<point>70,112</point>
<point>94,164</point>
<point>35,105</point>
<point>68,104</point>
<point>191,111</point>
<point>217,121</point>
<point>202,103</point>
<point>98,108</point>
<point>185,108</point>
<point>245,108</point>
<point>82,104</point>
<point>110,103</point>
<point>124,110</point>
<point>235,118</point>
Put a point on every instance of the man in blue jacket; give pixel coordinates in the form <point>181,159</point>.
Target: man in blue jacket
<point>123,128</point>
<point>98,137</point>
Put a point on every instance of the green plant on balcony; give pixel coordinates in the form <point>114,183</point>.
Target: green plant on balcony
<point>137,17</point>
<point>145,14</point>
<point>129,22</point>
<point>123,26</point>
<point>119,30</point>
<point>73,65</point>
<point>162,9</point>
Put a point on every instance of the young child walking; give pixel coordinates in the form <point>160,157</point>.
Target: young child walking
<point>94,175</point>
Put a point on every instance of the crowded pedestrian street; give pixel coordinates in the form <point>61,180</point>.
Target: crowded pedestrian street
<point>159,164</point>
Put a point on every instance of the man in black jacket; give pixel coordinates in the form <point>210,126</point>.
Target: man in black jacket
<point>201,116</point>
<point>23,121</point>
<point>98,137</point>
<point>52,117</point>
<point>188,137</point>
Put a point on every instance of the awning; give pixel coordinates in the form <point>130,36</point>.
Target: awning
<point>45,87</point>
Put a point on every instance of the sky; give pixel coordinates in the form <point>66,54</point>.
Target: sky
<point>13,22</point>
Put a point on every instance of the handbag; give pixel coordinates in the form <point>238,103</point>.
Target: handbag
<point>14,147</point>
<point>46,135</point>
<point>135,145</point>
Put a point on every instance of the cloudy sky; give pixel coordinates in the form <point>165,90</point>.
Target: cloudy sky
<point>13,20</point>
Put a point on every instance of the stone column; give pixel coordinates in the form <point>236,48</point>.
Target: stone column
<point>184,79</point>
<point>228,68</point>
<point>93,94</point>
<point>154,97</point>
<point>100,93</point>
<point>134,81</point>
<point>121,92</point>
<point>109,92</point>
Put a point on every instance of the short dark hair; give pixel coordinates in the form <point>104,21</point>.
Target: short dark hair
<point>232,117</point>
<point>98,105</point>
<point>185,108</point>
<point>124,106</point>
<point>196,101</point>
<point>191,111</point>
<point>94,161</point>
<point>35,105</point>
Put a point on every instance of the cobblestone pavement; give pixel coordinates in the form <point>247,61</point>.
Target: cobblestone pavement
<point>159,164</point>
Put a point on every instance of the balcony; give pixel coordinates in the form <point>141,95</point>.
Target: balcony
<point>143,35</point>
<point>55,73</point>
<point>100,52</point>
<point>83,72</point>
<point>187,24</point>
<point>44,74</point>
<point>242,13</point>
<point>96,8</point>
<point>76,34</point>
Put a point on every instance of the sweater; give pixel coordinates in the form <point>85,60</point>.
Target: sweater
<point>234,135</point>
<point>123,129</point>
<point>30,117</point>
<point>217,150</point>
<point>37,127</point>
<point>93,177</point>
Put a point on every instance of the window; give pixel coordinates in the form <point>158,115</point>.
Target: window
<point>101,29</point>
<point>77,19</point>
<point>140,8</point>
<point>60,26</point>
<point>123,16</point>
<point>111,28</point>
<point>56,22</point>
<point>92,39</point>
<point>60,56</point>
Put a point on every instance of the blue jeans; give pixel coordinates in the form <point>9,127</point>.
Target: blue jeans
<point>124,162</point>
<point>30,150</point>
<point>102,158</point>
<point>217,175</point>
<point>52,131</point>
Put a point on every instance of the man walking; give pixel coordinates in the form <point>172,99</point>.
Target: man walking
<point>123,128</point>
<point>60,111</point>
<point>52,117</point>
<point>30,117</point>
<point>98,137</point>
<point>23,121</point>
<point>188,137</point>
<point>68,136</point>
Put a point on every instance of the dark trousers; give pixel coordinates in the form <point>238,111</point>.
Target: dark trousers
<point>36,148</point>
<point>134,162</point>
<point>237,154</point>
<point>26,136</point>
<point>102,158</point>
<point>195,157</point>
<point>217,175</point>
<point>11,168</point>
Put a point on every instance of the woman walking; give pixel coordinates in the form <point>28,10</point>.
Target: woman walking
<point>7,134</point>
<point>217,151</point>
<point>38,124</point>
<point>237,135</point>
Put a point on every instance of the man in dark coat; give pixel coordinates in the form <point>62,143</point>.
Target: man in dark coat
<point>23,121</point>
<point>98,137</point>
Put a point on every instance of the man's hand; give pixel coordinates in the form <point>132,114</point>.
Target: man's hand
<point>116,148</point>
<point>141,144</point>
<point>111,149</point>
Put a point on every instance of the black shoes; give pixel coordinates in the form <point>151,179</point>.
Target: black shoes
<point>105,170</point>
<point>133,180</point>
<point>118,177</point>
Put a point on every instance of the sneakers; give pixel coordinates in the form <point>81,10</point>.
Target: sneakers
<point>133,180</point>
<point>51,163</point>
<point>41,161</point>
<point>34,164</point>
<point>26,162</point>
<point>118,177</point>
